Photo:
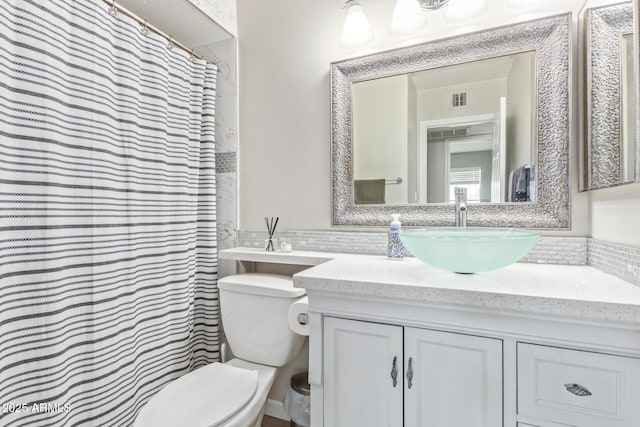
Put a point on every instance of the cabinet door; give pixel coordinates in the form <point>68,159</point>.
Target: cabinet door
<point>359,389</point>
<point>456,380</point>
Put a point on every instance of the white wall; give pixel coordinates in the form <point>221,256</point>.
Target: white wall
<point>285,49</point>
<point>520,116</point>
<point>614,211</point>
<point>436,186</point>
<point>412,144</point>
<point>380,133</point>
<point>615,214</point>
<point>482,98</point>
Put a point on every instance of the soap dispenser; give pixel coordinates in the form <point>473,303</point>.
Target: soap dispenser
<point>395,247</point>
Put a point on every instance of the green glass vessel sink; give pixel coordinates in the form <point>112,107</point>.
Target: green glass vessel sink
<point>469,249</point>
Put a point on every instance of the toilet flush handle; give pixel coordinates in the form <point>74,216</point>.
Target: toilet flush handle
<point>303,318</point>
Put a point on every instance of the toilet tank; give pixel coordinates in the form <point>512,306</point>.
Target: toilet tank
<point>254,311</point>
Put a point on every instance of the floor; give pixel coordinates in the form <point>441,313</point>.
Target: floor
<point>268,421</point>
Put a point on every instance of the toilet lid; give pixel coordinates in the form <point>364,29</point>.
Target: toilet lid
<point>272,285</point>
<point>205,397</point>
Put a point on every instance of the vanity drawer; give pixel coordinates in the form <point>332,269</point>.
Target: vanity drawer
<point>578,388</point>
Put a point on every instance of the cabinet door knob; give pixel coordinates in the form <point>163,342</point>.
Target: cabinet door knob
<point>409,373</point>
<point>577,389</point>
<point>394,371</point>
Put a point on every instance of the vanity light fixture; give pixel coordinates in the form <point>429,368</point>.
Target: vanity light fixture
<point>356,31</point>
<point>522,4</point>
<point>408,18</point>
<point>428,5</point>
<point>462,10</point>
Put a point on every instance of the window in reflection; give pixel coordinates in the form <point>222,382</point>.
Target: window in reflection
<point>469,178</point>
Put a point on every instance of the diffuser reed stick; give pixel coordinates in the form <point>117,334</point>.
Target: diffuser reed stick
<point>271,229</point>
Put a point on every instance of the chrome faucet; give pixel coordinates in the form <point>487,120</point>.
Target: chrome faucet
<point>461,206</point>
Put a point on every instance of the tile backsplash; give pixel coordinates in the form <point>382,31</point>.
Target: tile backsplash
<point>352,242</point>
<point>558,250</point>
<point>548,250</point>
<point>618,260</point>
<point>621,261</point>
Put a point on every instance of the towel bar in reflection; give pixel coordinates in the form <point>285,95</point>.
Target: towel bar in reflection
<point>398,180</point>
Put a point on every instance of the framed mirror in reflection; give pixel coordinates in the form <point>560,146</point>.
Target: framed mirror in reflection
<point>489,111</point>
<point>611,135</point>
<point>416,136</point>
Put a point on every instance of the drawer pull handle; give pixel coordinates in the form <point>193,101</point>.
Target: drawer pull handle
<point>577,389</point>
<point>394,371</point>
<point>409,373</point>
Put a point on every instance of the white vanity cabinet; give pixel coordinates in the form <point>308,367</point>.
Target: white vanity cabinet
<point>502,349</point>
<point>447,378</point>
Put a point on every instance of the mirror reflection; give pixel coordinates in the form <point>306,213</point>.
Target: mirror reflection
<point>628,148</point>
<point>417,136</point>
<point>611,133</point>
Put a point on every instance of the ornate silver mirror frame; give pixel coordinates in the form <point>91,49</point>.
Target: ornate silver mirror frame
<point>550,39</point>
<point>604,29</point>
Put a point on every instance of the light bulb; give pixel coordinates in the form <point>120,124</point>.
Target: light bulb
<point>407,18</point>
<point>356,31</point>
<point>463,10</point>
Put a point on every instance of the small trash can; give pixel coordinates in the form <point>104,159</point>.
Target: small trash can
<point>297,400</point>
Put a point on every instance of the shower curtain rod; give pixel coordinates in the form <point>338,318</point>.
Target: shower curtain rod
<point>144,24</point>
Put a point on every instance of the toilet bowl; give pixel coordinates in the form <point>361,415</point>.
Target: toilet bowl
<point>254,311</point>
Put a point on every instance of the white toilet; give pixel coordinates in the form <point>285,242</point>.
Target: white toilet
<point>254,311</point>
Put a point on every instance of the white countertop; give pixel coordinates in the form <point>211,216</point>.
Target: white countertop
<point>576,291</point>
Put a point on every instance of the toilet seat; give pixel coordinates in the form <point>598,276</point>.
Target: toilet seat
<point>206,397</point>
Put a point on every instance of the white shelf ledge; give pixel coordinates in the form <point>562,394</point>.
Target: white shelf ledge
<point>294,257</point>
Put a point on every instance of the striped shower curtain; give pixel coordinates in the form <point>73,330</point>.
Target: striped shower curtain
<point>107,214</point>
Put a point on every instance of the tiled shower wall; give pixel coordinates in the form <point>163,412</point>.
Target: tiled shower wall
<point>224,53</point>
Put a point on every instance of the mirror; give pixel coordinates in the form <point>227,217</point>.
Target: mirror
<point>411,123</point>
<point>418,135</point>
<point>611,139</point>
